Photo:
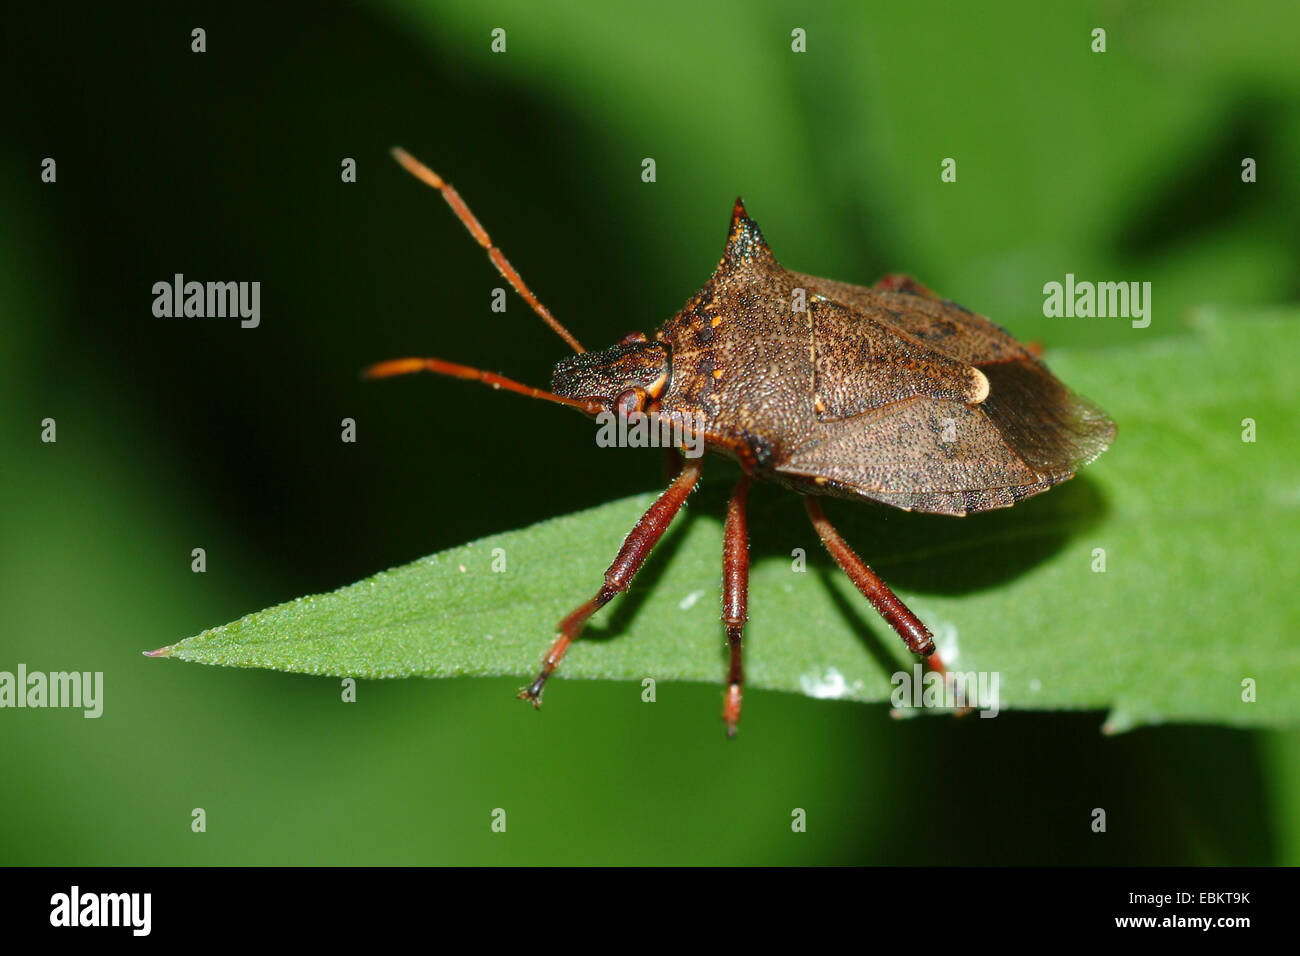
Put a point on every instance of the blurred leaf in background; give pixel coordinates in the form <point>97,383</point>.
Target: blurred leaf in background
<point>172,435</point>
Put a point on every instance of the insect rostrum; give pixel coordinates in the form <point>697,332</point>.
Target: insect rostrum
<point>888,393</point>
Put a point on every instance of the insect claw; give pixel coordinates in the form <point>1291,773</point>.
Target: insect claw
<point>731,710</point>
<point>533,692</point>
<point>935,663</point>
<point>526,693</point>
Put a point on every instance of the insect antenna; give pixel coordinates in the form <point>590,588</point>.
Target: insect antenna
<point>462,211</point>
<point>405,366</point>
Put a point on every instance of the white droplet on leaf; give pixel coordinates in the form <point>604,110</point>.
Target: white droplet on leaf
<point>828,686</point>
<point>688,602</point>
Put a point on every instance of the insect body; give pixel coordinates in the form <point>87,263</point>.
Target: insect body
<point>887,393</point>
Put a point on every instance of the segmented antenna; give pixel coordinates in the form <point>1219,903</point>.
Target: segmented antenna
<point>462,211</point>
<point>405,366</point>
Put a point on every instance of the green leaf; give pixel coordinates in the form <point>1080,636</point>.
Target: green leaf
<point>1198,529</point>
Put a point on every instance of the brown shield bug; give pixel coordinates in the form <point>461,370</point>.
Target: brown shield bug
<point>888,394</point>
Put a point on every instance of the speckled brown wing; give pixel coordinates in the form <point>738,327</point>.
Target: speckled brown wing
<point>861,363</point>
<point>952,458</point>
<point>933,452</point>
<point>952,329</point>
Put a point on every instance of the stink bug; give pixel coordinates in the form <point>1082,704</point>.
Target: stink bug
<point>888,394</point>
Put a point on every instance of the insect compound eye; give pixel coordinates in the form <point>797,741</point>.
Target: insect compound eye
<point>629,401</point>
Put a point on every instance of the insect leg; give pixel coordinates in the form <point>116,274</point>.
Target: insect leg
<point>636,548</point>
<point>735,596</point>
<point>915,635</point>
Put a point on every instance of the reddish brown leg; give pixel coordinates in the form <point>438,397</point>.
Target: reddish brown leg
<point>674,461</point>
<point>636,548</point>
<point>735,596</point>
<point>915,635</point>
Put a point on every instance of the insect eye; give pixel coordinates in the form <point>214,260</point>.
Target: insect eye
<point>629,401</point>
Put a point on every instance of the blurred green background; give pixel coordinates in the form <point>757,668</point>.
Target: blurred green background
<point>175,434</point>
